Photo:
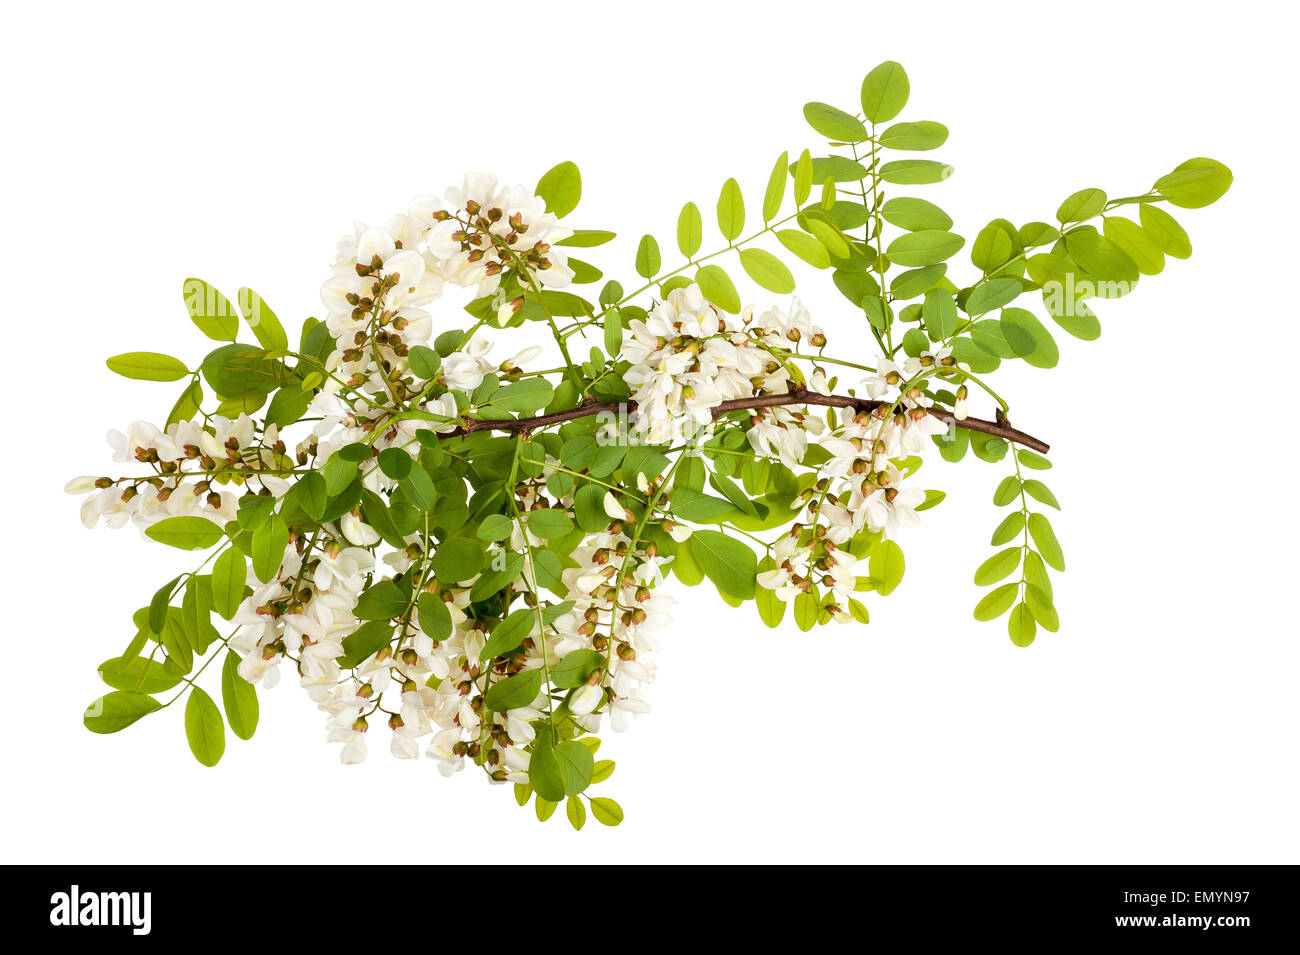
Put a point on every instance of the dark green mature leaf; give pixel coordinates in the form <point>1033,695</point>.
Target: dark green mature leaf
<point>459,558</point>
<point>363,642</point>
<point>576,668</point>
<point>509,633</point>
<point>513,692</point>
<point>730,564</point>
<point>383,601</point>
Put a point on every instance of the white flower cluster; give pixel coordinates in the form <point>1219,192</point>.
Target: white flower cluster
<point>186,459</point>
<point>688,359</point>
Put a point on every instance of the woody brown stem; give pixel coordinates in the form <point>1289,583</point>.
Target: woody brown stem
<point>798,396</point>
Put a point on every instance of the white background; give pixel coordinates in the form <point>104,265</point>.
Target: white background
<point>145,145</point>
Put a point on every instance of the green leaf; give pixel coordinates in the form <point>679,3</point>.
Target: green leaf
<point>187,532</point>
<point>495,527</point>
<point>915,172</point>
<point>915,215</point>
<point>690,230</point>
<point>561,187</point>
<point>513,692</point>
<point>424,361</point>
<point>576,811</point>
<point>548,522</point>
<point>204,728</point>
<point>395,463</point>
<point>718,288</point>
<point>1195,183</point>
<point>433,616</point>
<point>648,259</point>
<point>1040,605</point>
<point>508,634</point>
<point>727,562</point>
<point>148,366</point>
<point>269,542</point>
<point>886,565</point>
<point>771,608</point>
<point>544,808</point>
<point>1164,231</point>
<point>1040,529</point>
<point>238,697</point>
<point>1021,626</point>
<point>383,601</point>
<point>265,325</point>
<point>834,168</point>
<point>1011,526</point>
<point>731,211</point>
<point>117,710</point>
<point>925,247</point>
<point>587,238</point>
<point>996,602</point>
<point>775,188</point>
<point>137,674</point>
<point>806,611</point>
<point>1020,326</point>
<point>458,559</point>
<point>767,271</point>
<point>524,396</point>
<point>914,136</point>
<point>210,310</point>
<point>228,577</point>
<point>1135,242</point>
<point>992,248</point>
<point>1040,492</point>
<point>997,567</point>
<point>576,669</point>
<point>1100,256</point>
<point>606,811</point>
<point>1081,205</point>
<point>835,124</point>
<point>992,294</point>
<point>884,92</point>
<point>828,235</point>
<point>188,404</point>
<point>1031,460</point>
<point>1007,491</point>
<point>939,312</point>
<point>807,247</point>
<point>802,172</point>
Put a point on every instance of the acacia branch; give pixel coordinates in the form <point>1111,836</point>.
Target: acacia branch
<point>798,396</point>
